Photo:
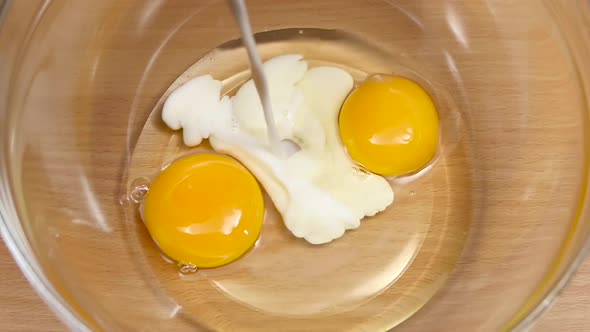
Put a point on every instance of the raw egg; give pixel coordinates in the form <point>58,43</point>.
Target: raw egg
<point>316,189</point>
<point>389,125</point>
<point>206,209</point>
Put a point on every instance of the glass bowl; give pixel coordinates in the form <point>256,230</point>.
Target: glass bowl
<point>484,240</point>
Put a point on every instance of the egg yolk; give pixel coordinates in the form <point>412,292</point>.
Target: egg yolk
<point>389,125</point>
<point>206,210</point>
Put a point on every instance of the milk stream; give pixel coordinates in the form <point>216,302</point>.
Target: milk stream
<point>282,148</point>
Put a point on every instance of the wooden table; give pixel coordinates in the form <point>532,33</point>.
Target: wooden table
<point>21,309</point>
<point>124,56</point>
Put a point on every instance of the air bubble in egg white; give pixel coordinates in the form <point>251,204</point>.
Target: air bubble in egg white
<point>139,189</point>
<point>187,268</point>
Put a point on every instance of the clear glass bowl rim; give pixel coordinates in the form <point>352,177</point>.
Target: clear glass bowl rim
<point>25,259</point>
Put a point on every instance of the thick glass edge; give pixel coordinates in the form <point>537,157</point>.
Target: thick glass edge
<point>19,250</point>
<point>531,313</point>
<point>31,270</point>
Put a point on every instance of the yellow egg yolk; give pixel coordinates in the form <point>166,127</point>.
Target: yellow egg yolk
<point>389,125</point>
<point>206,210</point>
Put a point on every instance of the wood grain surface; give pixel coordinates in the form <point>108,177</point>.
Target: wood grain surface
<point>21,309</point>
<point>101,74</point>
